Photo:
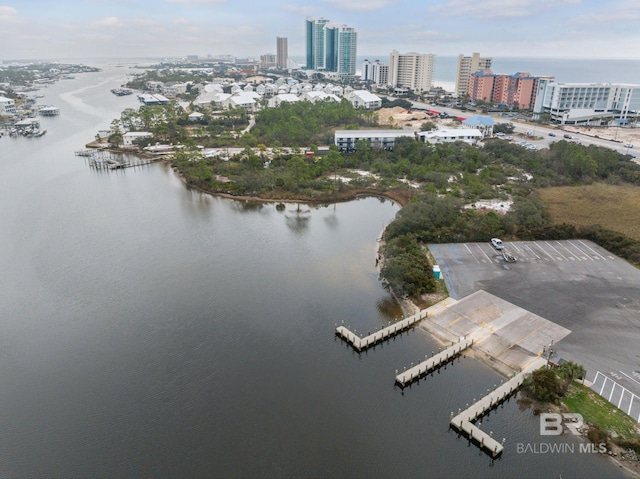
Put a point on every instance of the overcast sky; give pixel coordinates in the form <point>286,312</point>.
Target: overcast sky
<point>67,29</point>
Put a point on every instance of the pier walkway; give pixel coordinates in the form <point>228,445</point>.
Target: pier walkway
<point>425,367</point>
<point>360,344</point>
<point>463,421</point>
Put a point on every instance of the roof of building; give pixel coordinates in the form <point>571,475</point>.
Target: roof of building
<point>137,133</point>
<point>448,132</point>
<point>479,120</point>
<point>290,97</point>
<point>373,133</point>
<point>365,95</point>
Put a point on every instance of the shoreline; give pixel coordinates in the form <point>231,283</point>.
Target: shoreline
<point>614,454</point>
<point>397,196</point>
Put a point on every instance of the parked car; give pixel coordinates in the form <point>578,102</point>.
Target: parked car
<point>497,244</point>
<point>628,145</point>
<point>552,134</point>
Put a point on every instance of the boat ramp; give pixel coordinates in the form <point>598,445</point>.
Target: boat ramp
<point>507,337</point>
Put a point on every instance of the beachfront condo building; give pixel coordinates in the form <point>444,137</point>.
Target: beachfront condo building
<point>282,52</point>
<point>331,47</point>
<point>467,66</point>
<point>588,103</point>
<point>375,72</point>
<point>411,70</point>
<point>515,91</point>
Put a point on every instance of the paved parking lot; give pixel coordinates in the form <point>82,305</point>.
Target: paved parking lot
<point>573,283</point>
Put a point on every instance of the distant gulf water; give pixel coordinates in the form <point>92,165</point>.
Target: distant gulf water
<point>563,69</point>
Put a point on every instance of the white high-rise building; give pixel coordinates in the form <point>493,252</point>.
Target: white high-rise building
<point>411,70</point>
<point>375,72</point>
<point>467,66</point>
<point>574,103</point>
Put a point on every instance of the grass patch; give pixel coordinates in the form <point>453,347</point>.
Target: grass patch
<point>598,411</point>
<point>615,207</point>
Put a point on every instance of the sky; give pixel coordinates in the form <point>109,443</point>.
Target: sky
<point>68,29</point>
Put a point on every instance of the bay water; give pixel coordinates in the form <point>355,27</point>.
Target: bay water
<point>151,330</point>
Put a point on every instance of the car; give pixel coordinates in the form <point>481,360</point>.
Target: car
<point>628,145</point>
<point>497,244</point>
<point>552,134</point>
<point>568,137</point>
<point>499,134</point>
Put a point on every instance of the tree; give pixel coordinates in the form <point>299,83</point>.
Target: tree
<point>299,168</point>
<point>115,137</point>
<point>570,371</point>
<point>428,126</point>
<point>544,385</point>
<point>506,128</point>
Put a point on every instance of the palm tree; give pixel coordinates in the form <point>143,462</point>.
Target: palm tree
<point>571,371</point>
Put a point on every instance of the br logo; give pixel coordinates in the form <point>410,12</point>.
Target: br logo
<point>554,424</point>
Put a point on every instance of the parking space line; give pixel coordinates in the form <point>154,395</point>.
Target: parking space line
<point>551,246</point>
<point>470,252</point>
<point>568,251</point>
<point>586,256</point>
<point>594,251</point>
<point>485,254</point>
<point>534,253</point>
<point>630,377</point>
<point>542,251</point>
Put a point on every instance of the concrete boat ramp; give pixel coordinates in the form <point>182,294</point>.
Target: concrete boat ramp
<point>509,338</point>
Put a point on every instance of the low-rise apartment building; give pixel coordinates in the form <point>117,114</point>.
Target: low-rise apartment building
<point>346,140</point>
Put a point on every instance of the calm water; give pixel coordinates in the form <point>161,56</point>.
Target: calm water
<point>149,330</point>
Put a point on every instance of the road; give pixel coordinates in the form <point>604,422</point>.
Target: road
<point>539,131</point>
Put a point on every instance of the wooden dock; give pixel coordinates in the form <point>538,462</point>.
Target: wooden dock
<point>360,344</point>
<point>463,422</point>
<point>407,377</point>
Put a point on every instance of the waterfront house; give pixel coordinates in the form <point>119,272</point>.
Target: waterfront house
<point>129,137</point>
<point>7,106</point>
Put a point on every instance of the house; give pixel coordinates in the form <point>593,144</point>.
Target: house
<point>281,98</point>
<point>209,98</point>
<point>195,116</point>
<point>314,96</point>
<point>149,99</point>
<point>449,135</point>
<point>7,106</point>
<point>129,137</point>
<point>175,89</point>
<point>482,123</point>
<point>364,99</point>
<point>241,100</point>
